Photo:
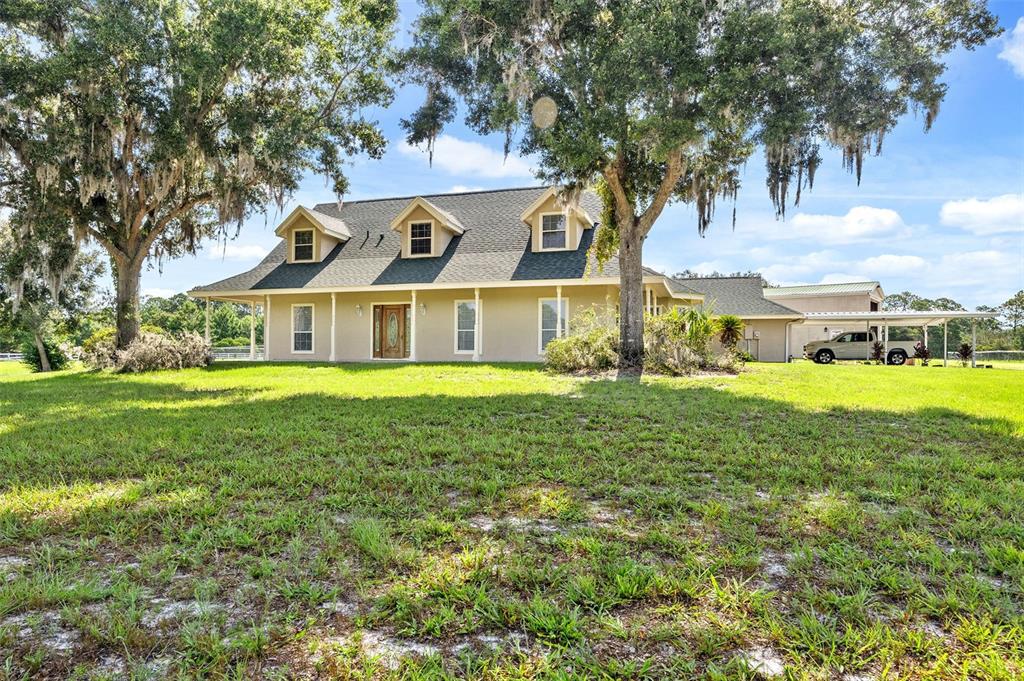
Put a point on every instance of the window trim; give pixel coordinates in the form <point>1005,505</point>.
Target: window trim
<point>478,329</point>
<point>540,321</point>
<point>408,237</point>
<point>565,230</point>
<point>312,329</point>
<point>312,246</point>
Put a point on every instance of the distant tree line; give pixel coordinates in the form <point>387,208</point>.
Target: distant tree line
<point>1005,332</point>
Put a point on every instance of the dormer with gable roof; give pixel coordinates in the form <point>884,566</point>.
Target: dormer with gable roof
<point>425,229</point>
<point>555,225</point>
<point>311,235</point>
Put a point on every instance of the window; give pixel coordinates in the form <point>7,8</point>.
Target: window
<point>302,328</point>
<point>549,320</point>
<point>465,326</point>
<point>303,239</point>
<point>419,238</point>
<point>552,231</point>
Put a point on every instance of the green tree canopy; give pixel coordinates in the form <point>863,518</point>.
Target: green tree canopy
<point>665,100</point>
<point>45,282</point>
<point>152,124</point>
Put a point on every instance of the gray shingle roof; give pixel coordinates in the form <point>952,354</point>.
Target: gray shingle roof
<point>741,296</point>
<point>495,247</point>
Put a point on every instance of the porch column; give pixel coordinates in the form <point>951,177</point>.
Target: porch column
<point>266,328</point>
<point>207,335</point>
<point>974,343</point>
<point>867,341</point>
<point>945,339</point>
<point>925,336</point>
<point>476,325</point>
<point>334,314</point>
<point>252,330</point>
<point>558,311</point>
<point>412,328</point>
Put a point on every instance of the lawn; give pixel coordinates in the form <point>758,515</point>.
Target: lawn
<point>496,522</point>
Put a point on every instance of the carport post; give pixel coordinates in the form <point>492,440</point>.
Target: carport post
<point>925,336</point>
<point>974,342</point>
<point>207,333</point>
<point>945,339</point>
<point>885,352</point>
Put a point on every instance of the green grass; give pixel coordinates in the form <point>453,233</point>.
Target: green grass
<point>497,522</point>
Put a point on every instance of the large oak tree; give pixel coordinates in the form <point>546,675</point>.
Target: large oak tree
<point>665,100</point>
<point>153,124</point>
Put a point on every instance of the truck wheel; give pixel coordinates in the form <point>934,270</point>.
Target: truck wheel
<point>824,357</point>
<point>897,357</point>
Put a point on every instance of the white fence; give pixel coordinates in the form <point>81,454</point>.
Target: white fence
<point>237,354</point>
<point>993,355</point>
<point>11,356</point>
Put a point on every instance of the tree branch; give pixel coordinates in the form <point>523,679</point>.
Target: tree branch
<point>673,171</point>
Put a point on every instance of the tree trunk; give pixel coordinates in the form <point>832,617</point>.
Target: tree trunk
<point>631,302</point>
<point>127,276</point>
<point>44,359</point>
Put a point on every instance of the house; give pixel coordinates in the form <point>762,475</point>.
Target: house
<point>489,275</point>
<point>862,296</point>
<point>768,325</point>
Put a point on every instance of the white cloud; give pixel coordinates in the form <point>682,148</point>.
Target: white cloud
<point>985,216</point>
<point>156,292</point>
<point>800,268</point>
<point>221,251</point>
<point>888,264</point>
<point>471,159</point>
<point>841,278</point>
<point>860,223</point>
<point>461,188</point>
<point>1013,48</point>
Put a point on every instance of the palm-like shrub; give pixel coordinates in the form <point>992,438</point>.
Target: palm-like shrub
<point>55,354</point>
<point>730,330</point>
<point>878,351</point>
<point>922,353</point>
<point>964,353</point>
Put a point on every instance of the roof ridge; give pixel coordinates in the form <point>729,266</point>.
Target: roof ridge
<point>835,283</point>
<point>428,196</point>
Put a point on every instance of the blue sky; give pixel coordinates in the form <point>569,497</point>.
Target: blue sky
<point>940,214</point>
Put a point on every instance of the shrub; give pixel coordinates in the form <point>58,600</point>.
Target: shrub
<point>877,352</point>
<point>54,353</point>
<point>922,353</point>
<point>592,345</point>
<point>679,342</point>
<point>235,342</point>
<point>730,330</point>
<point>98,350</point>
<point>964,353</point>
<point>676,342</point>
<point>154,351</point>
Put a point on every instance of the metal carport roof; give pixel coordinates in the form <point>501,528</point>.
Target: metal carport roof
<point>919,318</point>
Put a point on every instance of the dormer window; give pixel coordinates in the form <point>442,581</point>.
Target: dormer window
<point>420,234</point>
<point>552,231</point>
<point>302,240</point>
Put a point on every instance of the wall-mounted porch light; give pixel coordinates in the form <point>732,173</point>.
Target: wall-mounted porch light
<point>423,310</point>
<point>359,310</point>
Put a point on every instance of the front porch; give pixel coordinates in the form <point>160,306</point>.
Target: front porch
<point>508,323</point>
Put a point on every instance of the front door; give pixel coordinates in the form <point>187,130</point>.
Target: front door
<point>393,331</point>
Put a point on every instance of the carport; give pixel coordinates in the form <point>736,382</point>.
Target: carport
<point>919,319</point>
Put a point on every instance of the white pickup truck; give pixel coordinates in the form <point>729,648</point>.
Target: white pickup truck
<point>856,345</point>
